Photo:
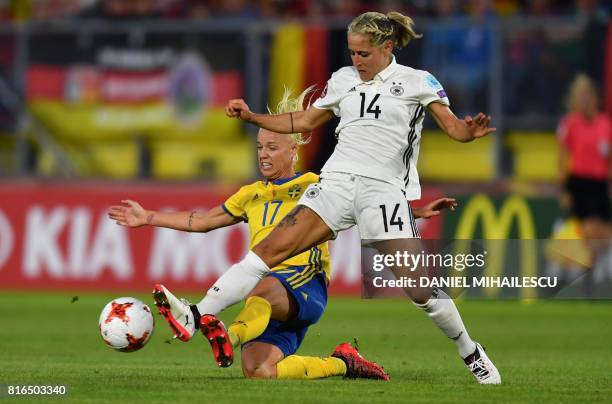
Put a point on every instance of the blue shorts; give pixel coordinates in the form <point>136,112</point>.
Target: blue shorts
<point>311,299</point>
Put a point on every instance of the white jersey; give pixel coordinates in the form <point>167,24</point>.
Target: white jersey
<point>379,133</point>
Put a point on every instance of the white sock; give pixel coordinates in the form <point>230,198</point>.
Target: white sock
<point>441,309</point>
<point>234,285</point>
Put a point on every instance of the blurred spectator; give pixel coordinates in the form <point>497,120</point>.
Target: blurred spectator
<point>121,9</point>
<point>20,10</point>
<point>596,22</point>
<point>539,8</point>
<point>58,9</point>
<point>535,58</point>
<point>505,8</point>
<point>234,9</point>
<point>532,63</point>
<point>345,8</point>
<point>14,10</point>
<point>591,9</point>
<point>585,135</point>
<point>458,48</point>
<point>195,9</point>
<point>446,9</point>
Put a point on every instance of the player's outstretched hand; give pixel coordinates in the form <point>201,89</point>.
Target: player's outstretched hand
<point>237,108</point>
<point>434,208</point>
<point>129,214</point>
<point>479,125</point>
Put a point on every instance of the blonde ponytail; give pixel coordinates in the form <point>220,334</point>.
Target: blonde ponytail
<point>380,28</point>
<point>288,104</point>
<point>402,27</point>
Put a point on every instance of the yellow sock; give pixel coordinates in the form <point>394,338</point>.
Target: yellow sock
<point>308,367</point>
<point>251,322</point>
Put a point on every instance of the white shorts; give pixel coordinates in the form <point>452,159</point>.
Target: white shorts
<point>378,208</point>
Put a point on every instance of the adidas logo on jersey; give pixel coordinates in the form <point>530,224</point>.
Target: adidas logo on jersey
<point>352,89</point>
<point>256,197</point>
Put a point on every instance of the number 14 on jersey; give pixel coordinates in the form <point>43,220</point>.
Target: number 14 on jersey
<point>372,107</point>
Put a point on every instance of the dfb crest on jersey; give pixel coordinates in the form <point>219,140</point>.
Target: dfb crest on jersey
<point>397,89</point>
<point>312,192</point>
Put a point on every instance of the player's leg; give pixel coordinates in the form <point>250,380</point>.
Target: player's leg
<point>269,300</point>
<point>297,232</point>
<point>271,354</point>
<point>323,210</point>
<point>386,217</point>
<point>261,360</point>
<point>591,205</point>
<point>594,211</point>
<point>300,230</point>
<point>435,302</point>
<point>386,223</point>
<point>441,309</point>
<point>297,297</point>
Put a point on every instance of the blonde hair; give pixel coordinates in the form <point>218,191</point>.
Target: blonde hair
<point>380,28</point>
<point>288,104</point>
<point>580,83</point>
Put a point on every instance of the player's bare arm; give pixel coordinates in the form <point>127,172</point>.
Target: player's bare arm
<point>132,214</point>
<point>434,208</point>
<point>462,130</point>
<point>299,121</point>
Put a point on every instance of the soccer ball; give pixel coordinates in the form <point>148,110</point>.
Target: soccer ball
<point>126,324</point>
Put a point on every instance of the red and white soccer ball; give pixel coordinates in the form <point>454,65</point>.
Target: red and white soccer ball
<point>126,324</point>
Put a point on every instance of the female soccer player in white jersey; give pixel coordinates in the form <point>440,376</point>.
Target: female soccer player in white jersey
<point>369,176</point>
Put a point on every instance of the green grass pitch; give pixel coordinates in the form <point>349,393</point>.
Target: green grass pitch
<point>547,351</point>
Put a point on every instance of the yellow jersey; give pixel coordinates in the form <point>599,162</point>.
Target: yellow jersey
<point>263,204</point>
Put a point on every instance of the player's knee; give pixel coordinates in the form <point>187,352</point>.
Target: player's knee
<point>259,371</point>
<point>419,300</point>
<point>419,296</point>
<point>265,372</point>
<point>271,251</point>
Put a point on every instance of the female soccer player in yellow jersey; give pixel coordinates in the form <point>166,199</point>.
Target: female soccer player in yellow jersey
<point>293,296</point>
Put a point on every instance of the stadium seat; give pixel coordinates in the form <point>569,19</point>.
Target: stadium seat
<point>104,141</point>
<point>113,159</point>
<point>8,153</point>
<point>536,155</point>
<point>201,158</point>
<point>85,122</point>
<point>443,159</point>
